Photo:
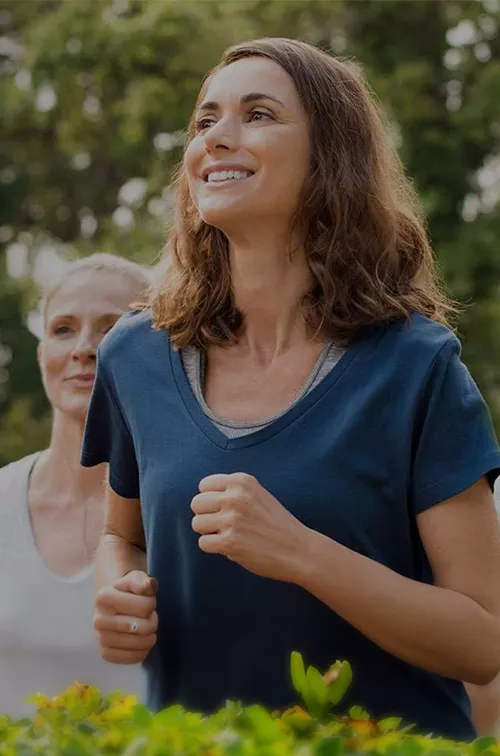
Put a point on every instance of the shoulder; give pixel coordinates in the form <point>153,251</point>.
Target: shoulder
<point>129,338</point>
<point>15,474</point>
<point>419,341</point>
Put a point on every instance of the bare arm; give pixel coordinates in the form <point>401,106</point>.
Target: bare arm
<point>451,628</point>
<point>485,702</point>
<point>122,547</point>
<point>125,616</point>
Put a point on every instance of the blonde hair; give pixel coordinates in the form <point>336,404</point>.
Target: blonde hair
<point>97,262</point>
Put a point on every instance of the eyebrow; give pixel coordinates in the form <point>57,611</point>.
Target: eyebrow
<point>73,316</point>
<point>250,97</point>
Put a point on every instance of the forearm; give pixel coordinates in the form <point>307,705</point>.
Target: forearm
<point>116,557</point>
<point>485,702</point>
<point>434,628</point>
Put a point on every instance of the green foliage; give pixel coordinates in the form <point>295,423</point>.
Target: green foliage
<point>96,94</point>
<point>297,672</point>
<point>80,722</point>
<point>319,692</point>
<point>21,415</point>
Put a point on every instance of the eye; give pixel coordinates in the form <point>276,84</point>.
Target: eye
<point>62,330</point>
<point>202,124</point>
<point>260,115</point>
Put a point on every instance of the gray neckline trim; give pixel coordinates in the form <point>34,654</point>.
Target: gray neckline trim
<point>199,381</point>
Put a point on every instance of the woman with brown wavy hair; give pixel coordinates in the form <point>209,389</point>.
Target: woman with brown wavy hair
<point>298,457</point>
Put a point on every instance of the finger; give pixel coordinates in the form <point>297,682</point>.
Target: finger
<point>127,642</point>
<point>207,503</point>
<point>241,479</point>
<point>211,544</point>
<point>117,656</point>
<point>137,582</point>
<point>118,623</point>
<point>207,523</point>
<point>110,600</point>
<point>217,482</point>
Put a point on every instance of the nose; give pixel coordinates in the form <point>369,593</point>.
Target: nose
<point>85,349</point>
<point>223,135</point>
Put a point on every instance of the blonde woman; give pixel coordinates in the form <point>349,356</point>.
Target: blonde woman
<point>52,510</point>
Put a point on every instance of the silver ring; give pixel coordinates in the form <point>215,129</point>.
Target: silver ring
<point>134,627</point>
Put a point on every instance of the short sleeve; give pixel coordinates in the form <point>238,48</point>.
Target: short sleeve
<point>107,438</point>
<point>454,442</point>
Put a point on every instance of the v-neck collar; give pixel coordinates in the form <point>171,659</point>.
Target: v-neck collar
<point>215,436</point>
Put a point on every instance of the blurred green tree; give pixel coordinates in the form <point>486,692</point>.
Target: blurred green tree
<point>95,96</point>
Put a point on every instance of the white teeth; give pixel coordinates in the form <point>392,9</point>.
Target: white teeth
<point>227,175</point>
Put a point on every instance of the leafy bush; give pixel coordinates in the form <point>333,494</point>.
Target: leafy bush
<point>82,723</point>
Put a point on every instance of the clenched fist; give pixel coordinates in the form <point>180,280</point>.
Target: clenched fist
<point>237,517</point>
<point>125,618</point>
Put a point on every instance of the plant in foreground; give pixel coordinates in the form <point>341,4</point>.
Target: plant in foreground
<point>80,722</point>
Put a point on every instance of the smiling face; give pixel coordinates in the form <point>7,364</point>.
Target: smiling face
<point>249,157</point>
<point>78,316</point>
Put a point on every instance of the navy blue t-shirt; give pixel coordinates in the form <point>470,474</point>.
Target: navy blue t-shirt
<point>397,427</point>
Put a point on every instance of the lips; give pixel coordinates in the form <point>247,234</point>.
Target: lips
<point>84,380</point>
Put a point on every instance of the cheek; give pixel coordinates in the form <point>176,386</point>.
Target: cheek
<point>193,157</point>
<point>286,162</point>
<point>282,185</point>
<point>53,365</point>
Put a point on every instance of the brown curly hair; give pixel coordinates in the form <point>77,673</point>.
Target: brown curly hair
<point>358,217</point>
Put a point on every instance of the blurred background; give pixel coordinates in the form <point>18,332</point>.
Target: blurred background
<point>94,96</point>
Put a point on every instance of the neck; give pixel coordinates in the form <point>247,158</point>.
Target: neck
<point>269,284</point>
<point>60,465</point>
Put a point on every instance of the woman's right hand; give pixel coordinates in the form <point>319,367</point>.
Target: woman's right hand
<point>125,618</point>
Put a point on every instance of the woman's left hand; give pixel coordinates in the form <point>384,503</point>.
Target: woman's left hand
<point>235,516</point>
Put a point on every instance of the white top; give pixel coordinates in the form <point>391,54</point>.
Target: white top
<point>46,635</point>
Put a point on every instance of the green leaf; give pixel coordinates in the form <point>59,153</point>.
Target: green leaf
<point>482,744</point>
<point>74,748</point>
<point>86,727</point>
<point>408,747</point>
<point>389,724</point>
<point>313,705</point>
<point>316,685</point>
<point>314,694</point>
<point>338,688</point>
<point>141,716</point>
<point>235,749</point>
<point>358,713</point>
<point>25,722</point>
<point>408,729</point>
<point>332,746</point>
<point>170,716</point>
<point>298,672</point>
<point>261,725</point>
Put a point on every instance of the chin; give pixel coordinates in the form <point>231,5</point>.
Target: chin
<point>76,412</point>
<point>225,216</point>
